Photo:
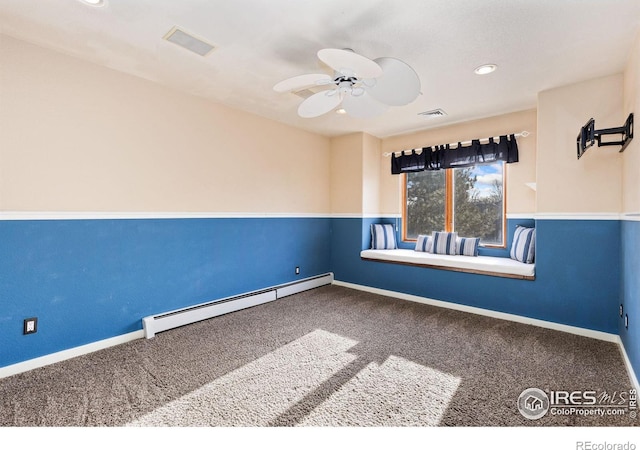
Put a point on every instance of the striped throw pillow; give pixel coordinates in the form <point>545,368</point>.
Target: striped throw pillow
<point>383,237</point>
<point>444,243</point>
<point>467,246</point>
<point>523,247</point>
<point>424,243</point>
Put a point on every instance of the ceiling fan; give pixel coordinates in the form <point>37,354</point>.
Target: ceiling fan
<point>363,87</point>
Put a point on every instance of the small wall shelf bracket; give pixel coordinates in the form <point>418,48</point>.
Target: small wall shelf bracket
<point>588,136</point>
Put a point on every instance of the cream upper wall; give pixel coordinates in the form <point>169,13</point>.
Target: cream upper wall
<point>79,137</point>
<point>631,155</point>
<point>355,175</point>
<point>591,184</point>
<point>371,150</point>
<point>346,174</point>
<point>520,197</point>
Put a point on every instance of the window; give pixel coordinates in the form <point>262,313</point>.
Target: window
<point>469,200</point>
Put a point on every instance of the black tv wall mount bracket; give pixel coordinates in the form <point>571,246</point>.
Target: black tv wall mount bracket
<point>588,135</point>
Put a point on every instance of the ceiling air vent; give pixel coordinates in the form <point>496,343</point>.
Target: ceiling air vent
<point>191,43</point>
<point>308,92</point>
<point>433,113</point>
<point>304,93</point>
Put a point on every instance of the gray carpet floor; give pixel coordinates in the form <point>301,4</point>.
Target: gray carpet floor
<point>331,356</point>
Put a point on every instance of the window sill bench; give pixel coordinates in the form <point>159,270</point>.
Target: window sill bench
<point>483,265</point>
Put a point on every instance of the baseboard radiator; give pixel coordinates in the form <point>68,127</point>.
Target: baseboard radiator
<point>177,318</point>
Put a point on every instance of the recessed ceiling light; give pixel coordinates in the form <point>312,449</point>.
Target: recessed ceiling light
<point>95,2</point>
<point>341,111</point>
<point>485,69</point>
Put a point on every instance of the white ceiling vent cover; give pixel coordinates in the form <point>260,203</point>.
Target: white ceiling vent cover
<point>306,93</point>
<point>185,40</point>
<point>433,113</point>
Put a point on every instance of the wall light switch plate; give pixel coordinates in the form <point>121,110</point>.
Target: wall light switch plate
<point>30,325</point>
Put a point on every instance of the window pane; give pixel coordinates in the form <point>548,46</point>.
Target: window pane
<point>478,202</point>
<point>425,203</point>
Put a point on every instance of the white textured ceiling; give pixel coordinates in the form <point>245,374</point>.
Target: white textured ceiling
<point>537,44</point>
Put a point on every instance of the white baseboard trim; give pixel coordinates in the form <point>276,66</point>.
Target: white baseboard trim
<point>486,312</point>
<point>63,355</point>
<point>627,363</point>
<point>53,358</point>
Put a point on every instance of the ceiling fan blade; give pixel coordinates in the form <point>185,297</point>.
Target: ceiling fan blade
<point>318,104</point>
<point>341,60</point>
<point>301,82</point>
<point>363,106</point>
<point>398,85</point>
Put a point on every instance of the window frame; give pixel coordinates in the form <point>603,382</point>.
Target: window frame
<point>449,194</point>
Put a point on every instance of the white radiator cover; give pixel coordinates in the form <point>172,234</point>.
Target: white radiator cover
<point>177,318</point>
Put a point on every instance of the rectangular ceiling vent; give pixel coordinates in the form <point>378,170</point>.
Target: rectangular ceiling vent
<point>304,93</point>
<point>188,41</point>
<point>433,113</point>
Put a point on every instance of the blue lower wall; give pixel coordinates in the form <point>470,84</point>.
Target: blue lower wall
<point>88,280</point>
<point>631,292</point>
<point>577,273</point>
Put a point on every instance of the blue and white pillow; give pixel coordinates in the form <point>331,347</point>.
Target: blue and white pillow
<point>523,247</point>
<point>444,243</point>
<point>424,243</point>
<point>383,237</point>
<point>467,246</point>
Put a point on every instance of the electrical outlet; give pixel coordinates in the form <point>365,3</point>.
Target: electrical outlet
<point>297,270</point>
<point>30,325</point>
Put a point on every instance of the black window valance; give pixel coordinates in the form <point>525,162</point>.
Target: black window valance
<point>445,157</point>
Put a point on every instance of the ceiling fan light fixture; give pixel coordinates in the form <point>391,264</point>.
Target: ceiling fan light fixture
<point>345,87</point>
<point>364,87</point>
<point>485,69</point>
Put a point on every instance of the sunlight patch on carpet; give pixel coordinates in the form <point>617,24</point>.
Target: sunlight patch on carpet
<point>397,392</point>
<point>260,391</point>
